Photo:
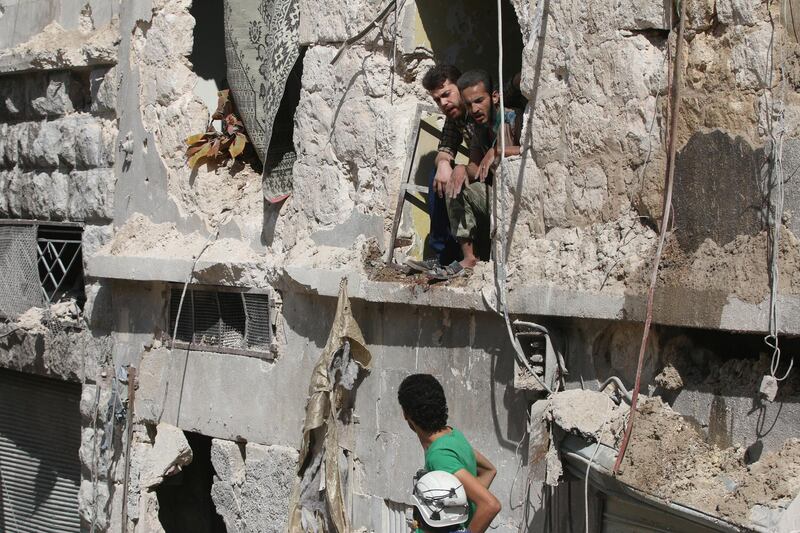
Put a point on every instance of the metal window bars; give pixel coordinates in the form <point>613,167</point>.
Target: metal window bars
<point>222,320</point>
<point>58,255</point>
<point>37,261</point>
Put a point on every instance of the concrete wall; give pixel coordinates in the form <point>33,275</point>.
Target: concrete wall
<point>239,398</point>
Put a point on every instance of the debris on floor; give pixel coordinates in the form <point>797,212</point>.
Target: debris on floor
<point>669,458</point>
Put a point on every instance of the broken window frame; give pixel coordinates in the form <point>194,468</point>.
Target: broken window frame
<point>49,252</point>
<point>262,303</point>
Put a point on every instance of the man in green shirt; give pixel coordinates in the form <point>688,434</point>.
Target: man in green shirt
<point>425,409</point>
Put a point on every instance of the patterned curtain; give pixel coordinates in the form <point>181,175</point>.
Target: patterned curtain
<point>261,46</point>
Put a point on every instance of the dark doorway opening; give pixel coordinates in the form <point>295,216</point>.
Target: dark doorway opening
<point>464,33</point>
<point>184,500</point>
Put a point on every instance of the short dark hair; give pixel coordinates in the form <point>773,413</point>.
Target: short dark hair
<point>438,74</point>
<point>422,398</point>
<point>472,78</point>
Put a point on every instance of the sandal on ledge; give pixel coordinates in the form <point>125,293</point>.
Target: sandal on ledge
<point>425,265</point>
<point>453,270</point>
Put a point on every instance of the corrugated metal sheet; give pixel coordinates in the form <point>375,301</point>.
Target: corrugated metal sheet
<point>393,517</point>
<point>40,433</point>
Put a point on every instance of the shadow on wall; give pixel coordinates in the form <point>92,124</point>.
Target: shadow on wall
<point>718,194</point>
<point>711,377</point>
<point>208,51</point>
<point>469,352</point>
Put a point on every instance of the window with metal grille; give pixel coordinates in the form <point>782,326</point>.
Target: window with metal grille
<point>58,250</point>
<point>221,321</point>
<point>40,264</point>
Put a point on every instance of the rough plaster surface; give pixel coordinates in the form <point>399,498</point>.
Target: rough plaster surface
<point>588,188</point>
<point>252,485</point>
<point>56,47</point>
<point>98,470</point>
<point>72,356</point>
<point>170,111</point>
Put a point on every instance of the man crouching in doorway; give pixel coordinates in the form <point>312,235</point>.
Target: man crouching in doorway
<point>425,409</point>
<point>470,208</point>
<point>448,178</point>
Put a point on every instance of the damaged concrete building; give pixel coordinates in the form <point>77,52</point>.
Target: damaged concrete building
<point>162,323</point>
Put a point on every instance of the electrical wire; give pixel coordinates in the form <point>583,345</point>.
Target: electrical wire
<point>211,238</point>
<point>591,462</point>
<point>346,44</point>
<point>518,457</point>
<point>498,236</point>
<point>667,208</point>
<point>398,6</point>
<point>9,332</point>
<point>775,179</point>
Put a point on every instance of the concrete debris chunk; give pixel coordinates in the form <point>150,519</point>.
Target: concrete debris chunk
<point>170,453</point>
<point>669,379</point>
<point>31,320</point>
<point>252,485</point>
<point>669,457</point>
<point>585,412</point>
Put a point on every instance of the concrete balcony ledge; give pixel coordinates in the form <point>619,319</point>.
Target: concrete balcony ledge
<point>176,270</point>
<point>673,306</point>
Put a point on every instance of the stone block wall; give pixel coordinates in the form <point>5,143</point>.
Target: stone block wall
<point>57,145</point>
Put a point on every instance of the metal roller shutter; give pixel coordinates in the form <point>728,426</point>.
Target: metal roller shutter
<point>40,433</point>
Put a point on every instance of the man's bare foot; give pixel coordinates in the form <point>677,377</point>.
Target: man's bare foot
<point>469,262</point>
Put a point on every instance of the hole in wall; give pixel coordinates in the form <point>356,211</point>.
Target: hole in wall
<point>208,51</point>
<point>80,89</point>
<point>184,500</point>
<point>720,362</point>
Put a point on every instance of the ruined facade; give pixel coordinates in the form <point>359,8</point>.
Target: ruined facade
<point>182,432</point>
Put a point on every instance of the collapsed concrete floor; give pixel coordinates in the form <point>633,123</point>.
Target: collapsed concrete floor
<point>671,459</point>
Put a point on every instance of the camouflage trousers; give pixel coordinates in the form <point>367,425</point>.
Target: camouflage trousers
<point>468,211</point>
